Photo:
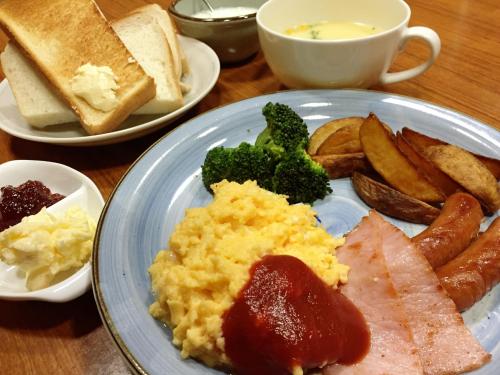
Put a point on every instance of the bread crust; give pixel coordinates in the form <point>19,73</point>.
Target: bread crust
<point>59,36</point>
<point>170,31</point>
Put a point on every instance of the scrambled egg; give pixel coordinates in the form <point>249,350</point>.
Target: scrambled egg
<point>47,247</point>
<point>210,254</point>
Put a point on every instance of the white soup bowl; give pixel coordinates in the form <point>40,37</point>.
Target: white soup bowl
<point>358,62</point>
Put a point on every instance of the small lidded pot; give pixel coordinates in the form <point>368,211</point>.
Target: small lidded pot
<point>231,29</point>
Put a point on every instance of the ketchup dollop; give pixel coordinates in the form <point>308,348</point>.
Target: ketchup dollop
<point>26,199</point>
<point>285,316</point>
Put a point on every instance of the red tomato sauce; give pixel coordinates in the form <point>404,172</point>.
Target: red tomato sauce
<point>285,316</point>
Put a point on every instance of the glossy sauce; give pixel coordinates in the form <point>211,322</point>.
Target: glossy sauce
<point>286,317</point>
<point>329,30</point>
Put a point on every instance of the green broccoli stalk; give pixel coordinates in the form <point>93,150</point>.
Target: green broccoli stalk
<point>300,178</point>
<point>285,131</point>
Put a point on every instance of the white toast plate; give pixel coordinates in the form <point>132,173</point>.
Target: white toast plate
<point>204,71</point>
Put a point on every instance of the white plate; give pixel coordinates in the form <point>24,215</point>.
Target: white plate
<point>204,71</point>
<point>78,189</point>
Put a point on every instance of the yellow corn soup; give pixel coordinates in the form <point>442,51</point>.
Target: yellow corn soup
<point>211,251</point>
<point>329,30</point>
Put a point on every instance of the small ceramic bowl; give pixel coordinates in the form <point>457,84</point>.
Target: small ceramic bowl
<point>78,189</point>
<point>232,38</point>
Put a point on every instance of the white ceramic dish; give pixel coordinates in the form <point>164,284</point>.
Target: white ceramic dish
<point>205,69</point>
<point>78,189</point>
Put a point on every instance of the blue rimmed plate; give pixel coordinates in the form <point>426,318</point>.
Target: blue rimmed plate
<point>165,180</point>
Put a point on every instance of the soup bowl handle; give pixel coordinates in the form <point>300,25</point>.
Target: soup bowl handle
<point>432,40</point>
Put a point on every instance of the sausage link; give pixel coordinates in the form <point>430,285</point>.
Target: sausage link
<point>452,231</point>
<point>468,277</point>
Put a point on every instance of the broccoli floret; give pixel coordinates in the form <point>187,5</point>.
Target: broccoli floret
<point>278,161</point>
<point>245,162</point>
<point>252,163</point>
<point>217,166</point>
<point>301,178</point>
<point>285,131</point>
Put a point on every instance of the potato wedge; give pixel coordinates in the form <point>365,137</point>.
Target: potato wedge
<point>422,141</point>
<point>425,167</point>
<point>343,141</point>
<point>392,202</point>
<point>338,166</point>
<point>492,164</point>
<point>382,153</point>
<point>468,171</point>
<point>324,131</point>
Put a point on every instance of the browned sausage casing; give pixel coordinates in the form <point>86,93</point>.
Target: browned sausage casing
<point>468,277</point>
<point>452,231</point>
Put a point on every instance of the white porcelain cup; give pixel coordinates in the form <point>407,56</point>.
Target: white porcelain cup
<point>360,62</point>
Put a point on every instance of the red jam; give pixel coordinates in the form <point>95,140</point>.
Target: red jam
<point>24,200</point>
<point>285,316</point>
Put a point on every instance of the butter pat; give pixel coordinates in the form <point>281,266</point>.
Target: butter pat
<point>96,85</point>
<point>48,247</point>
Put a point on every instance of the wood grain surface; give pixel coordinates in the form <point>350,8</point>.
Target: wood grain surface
<point>44,338</point>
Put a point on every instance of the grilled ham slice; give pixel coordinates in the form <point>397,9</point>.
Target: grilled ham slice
<point>371,289</point>
<point>415,326</point>
<point>444,343</point>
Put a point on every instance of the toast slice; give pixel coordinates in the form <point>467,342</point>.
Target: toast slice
<point>161,16</point>
<point>59,36</point>
<point>35,99</point>
<point>41,107</point>
<point>181,66</point>
<point>145,39</point>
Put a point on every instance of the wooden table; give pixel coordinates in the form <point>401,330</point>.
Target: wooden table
<point>44,338</point>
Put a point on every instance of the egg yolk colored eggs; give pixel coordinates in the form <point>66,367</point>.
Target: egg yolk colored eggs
<point>210,253</point>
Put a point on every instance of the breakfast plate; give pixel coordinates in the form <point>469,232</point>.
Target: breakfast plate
<point>204,70</point>
<point>152,197</point>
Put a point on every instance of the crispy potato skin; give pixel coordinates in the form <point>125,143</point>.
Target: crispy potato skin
<point>425,167</point>
<point>468,171</point>
<point>338,166</point>
<point>324,131</point>
<point>452,231</point>
<point>468,277</point>
<point>492,164</point>
<point>382,153</point>
<point>421,142</point>
<point>392,202</point>
<point>343,141</point>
